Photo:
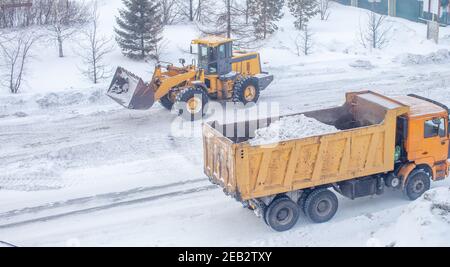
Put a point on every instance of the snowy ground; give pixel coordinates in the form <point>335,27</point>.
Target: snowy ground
<point>77,169</point>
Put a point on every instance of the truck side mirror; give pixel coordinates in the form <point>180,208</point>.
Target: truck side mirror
<point>182,61</point>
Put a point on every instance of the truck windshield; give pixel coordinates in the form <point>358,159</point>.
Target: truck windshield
<point>435,128</point>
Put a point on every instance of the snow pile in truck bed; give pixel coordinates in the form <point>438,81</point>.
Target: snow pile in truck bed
<point>425,222</point>
<point>292,127</point>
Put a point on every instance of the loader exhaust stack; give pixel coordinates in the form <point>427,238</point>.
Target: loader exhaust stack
<point>130,91</point>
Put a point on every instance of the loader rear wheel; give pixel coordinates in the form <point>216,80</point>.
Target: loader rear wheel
<point>418,183</point>
<point>190,103</point>
<point>282,214</point>
<point>166,102</point>
<point>246,90</point>
<point>321,205</point>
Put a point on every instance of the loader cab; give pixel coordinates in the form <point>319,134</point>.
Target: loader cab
<point>215,55</point>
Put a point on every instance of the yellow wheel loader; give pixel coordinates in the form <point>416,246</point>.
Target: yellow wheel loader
<point>220,74</point>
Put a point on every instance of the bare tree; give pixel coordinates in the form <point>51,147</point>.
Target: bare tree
<point>171,11</point>
<point>68,17</point>
<point>160,49</point>
<point>93,49</point>
<point>324,9</point>
<point>15,52</point>
<point>304,42</point>
<point>374,34</point>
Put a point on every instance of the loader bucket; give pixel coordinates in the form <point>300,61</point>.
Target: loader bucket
<point>130,91</point>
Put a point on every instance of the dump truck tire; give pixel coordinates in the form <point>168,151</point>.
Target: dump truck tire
<point>282,214</point>
<point>321,205</point>
<point>190,103</point>
<point>302,200</point>
<point>246,90</point>
<point>418,183</point>
<point>166,102</point>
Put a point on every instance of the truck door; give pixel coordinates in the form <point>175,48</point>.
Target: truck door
<point>436,142</point>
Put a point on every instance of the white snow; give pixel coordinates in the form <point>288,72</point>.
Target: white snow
<point>439,57</point>
<point>65,146</point>
<point>289,128</point>
<point>425,222</point>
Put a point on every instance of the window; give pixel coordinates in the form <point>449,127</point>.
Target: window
<point>222,51</point>
<point>212,68</point>
<point>203,55</point>
<point>435,127</point>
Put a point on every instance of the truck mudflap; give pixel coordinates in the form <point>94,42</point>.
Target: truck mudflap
<point>264,80</point>
<point>130,91</point>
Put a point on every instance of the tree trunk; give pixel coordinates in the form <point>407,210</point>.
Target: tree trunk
<point>229,18</point>
<point>247,10</point>
<point>60,46</point>
<point>265,18</point>
<point>191,10</point>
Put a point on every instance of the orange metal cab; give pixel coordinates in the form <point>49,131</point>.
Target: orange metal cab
<point>427,138</point>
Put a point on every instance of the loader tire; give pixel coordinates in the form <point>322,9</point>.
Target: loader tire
<point>246,90</point>
<point>166,102</point>
<point>417,184</point>
<point>190,103</point>
<point>282,214</point>
<point>321,205</point>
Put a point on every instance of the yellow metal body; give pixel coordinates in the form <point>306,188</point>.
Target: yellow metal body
<point>258,171</point>
<point>171,78</point>
<point>249,172</point>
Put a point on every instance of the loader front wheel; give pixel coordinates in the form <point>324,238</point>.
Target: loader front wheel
<point>246,90</point>
<point>282,214</point>
<point>321,205</point>
<point>190,103</point>
<point>166,102</point>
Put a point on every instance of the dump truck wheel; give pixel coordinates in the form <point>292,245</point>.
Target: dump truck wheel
<point>321,205</point>
<point>418,183</point>
<point>282,214</point>
<point>301,201</point>
<point>190,103</point>
<point>246,90</point>
<point>166,102</point>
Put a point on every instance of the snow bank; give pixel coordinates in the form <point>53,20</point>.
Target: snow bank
<point>439,57</point>
<point>291,127</point>
<point>425,222</point>
<point>362,64</point>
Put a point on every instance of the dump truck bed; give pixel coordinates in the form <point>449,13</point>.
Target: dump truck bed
<point>363,146</point>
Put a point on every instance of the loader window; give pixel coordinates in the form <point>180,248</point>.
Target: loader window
<point>202,56</point>
<point>435,127</point>
<point>222,53</point>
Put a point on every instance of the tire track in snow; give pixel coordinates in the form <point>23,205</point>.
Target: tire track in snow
<point>56,210</point>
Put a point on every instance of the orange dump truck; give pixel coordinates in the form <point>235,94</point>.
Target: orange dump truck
<point>400,143</point>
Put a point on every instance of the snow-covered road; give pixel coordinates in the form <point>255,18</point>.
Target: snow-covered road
<point>87,172</point>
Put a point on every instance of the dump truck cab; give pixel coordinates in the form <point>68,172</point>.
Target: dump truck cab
<point>424,136</point>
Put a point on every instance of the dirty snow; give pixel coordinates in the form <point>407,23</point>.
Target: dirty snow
<point>439,57</point>
<point>79,169</point>
<point>425,222</point>
<point>289,128</point>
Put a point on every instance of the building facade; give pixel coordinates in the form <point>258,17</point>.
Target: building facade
<point>415,10</point>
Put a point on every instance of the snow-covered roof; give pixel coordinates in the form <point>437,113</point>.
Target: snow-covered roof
<point>212,40</point>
